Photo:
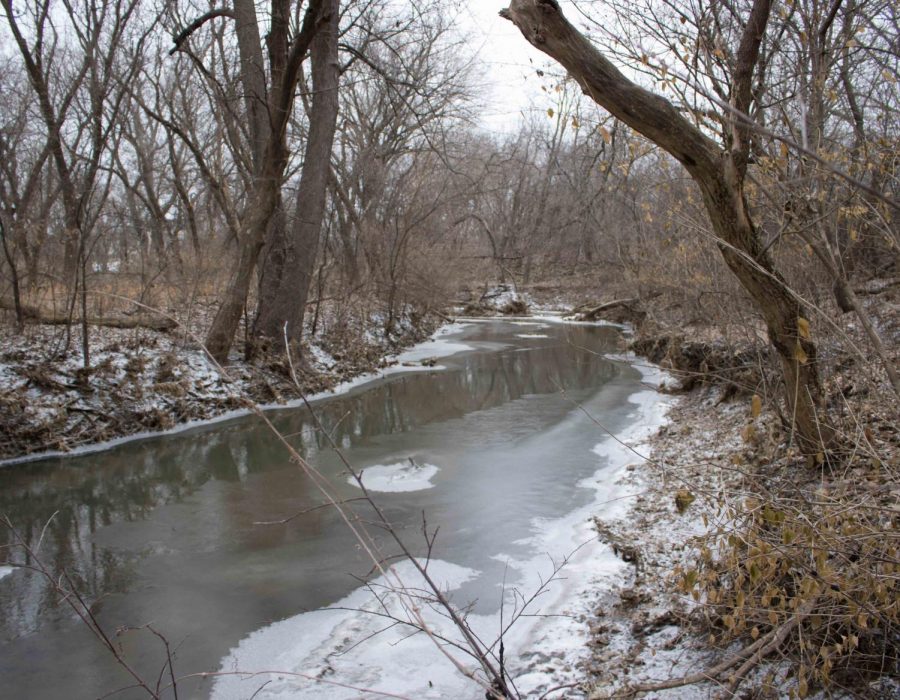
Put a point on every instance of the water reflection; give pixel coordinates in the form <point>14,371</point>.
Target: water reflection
<point>121,521</point>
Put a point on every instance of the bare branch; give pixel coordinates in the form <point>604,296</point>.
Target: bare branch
<point>185,33</point>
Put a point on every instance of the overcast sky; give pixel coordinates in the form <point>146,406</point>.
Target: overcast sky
<point>510,81</point>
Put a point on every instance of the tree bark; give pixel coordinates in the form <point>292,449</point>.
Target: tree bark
<point>720,176</point>
<point>14,274</point>
<point>228,316</point>
<point>287,302</point>
<point>253,78</point>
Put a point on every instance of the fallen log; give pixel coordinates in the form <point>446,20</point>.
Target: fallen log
<point>606,306</point>
<point>153,322</point>
<point>617,311</point>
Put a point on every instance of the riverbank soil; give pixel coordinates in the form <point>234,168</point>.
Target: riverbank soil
<point>146,380</point>
<point>756,571</point>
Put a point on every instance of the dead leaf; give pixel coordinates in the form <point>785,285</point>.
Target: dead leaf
<point>755,406</point>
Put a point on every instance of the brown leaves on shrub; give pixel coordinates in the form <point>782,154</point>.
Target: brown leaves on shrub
<point>824,565</point>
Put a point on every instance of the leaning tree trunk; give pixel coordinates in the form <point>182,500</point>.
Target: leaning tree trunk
<point>228,316</point>
<point>288,302</point>
<point>720,176</point>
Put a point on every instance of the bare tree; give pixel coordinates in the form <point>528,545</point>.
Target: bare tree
<point>270,101</point>
<point>80,113</point>
<point>290,271</point>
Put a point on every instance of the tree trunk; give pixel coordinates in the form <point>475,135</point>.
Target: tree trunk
<point>253,79</point>
<point>288,302</point>
<point>274,254</point>
<point>228,317</point>
<point>269,171</point>
<point>14,274</point>
<point>720,177</point>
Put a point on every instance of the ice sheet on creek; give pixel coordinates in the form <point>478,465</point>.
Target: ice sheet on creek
<point>353,648</point>
<point>349,647</point>
<point>400,477</point>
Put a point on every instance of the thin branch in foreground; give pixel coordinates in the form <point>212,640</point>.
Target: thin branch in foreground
<point>306,511</point>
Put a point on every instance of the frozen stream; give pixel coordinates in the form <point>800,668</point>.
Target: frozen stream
<point>493,448</point>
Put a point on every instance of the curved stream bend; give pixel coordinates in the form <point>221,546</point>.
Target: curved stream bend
<point>166,530</point>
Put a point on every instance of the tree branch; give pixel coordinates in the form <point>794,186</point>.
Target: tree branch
<point>195,25</point>
<point>544,26</point>
<point>747,56</point>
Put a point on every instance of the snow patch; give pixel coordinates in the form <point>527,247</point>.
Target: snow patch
<point>501,296</point>
<point>321,357</point>
<point>532,335</point>
<point>401,477</point>
<point>6,571</point>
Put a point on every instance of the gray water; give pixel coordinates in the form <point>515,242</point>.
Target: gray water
<point>165,530</point>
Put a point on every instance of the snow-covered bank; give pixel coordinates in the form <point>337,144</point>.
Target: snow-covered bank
<point>637,632</point>
<point>213,397</point>
<point>335,653</point>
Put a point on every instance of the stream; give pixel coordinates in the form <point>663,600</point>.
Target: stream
<point>503,448</point>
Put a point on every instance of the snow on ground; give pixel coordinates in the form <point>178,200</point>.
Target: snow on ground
<point>321,357</point>
<point>532,335</point>
<point>152,389</point>
<point>503,295</point>
<point>637,638</point>
<point>401,477</point>
<point>6,571</point>
<point>335,653</point>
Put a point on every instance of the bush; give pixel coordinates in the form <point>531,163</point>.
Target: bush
<point>810,574</point>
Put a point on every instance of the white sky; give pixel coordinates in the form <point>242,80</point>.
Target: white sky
<point>510,80</point>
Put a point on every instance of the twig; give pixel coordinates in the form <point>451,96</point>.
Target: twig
<point>751,656</point>
<point>288,519</point>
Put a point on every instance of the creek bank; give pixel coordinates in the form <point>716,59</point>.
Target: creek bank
<point>144,381</point>
<point>703,466</point>
<point>640,628</point>
<point>722,449</point>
